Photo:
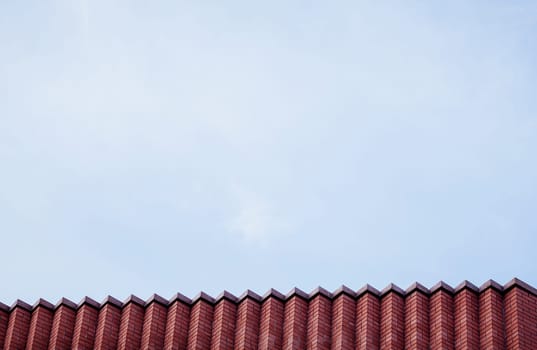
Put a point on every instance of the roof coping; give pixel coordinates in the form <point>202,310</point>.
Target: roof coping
<point>21,304</point>
<point>250,294</point>
<point>135,300</point>
<point>203,296</point>
<point>442,286</point>
<point>320,291</point>
<point>392,288</point>
<point>298,293</point>
<point>225,295</point>
<point>180,297</point>
<point>273,293</point>
<point>344,290</point>
<point>417,287</point>
<point>367,289</point>
<point>466,285</point>
<point>4,307</point>
<point>112,301</point>
<point>155,298</point>
<point>43,303</point>
<point>90,302</point>
<point>515,282</point>
<point>65,302</point>
<point>491,284</point>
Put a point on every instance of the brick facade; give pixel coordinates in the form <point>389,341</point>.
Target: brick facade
<point>466,317</point>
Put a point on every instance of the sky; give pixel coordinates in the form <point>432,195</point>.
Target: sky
<point>187,146</point>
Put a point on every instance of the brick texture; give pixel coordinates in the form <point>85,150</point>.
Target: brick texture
<point>417,321</point>
<point>368,322</point>
<point>466,320</point>
<point>200,329</point>
<point>40,326</point>
<point>177,324</point>
<point>271,324</point>
<point>392,320</point>
<point>130,326</point>
<point>223,336</point>
<point>466,317</point>
<point>154,326</point>
<point>343,322</point>
<point>295,323</point>
<point>85,326</point>
<point>106,337</point>
<point>63,325</point>
<point>18,328</point>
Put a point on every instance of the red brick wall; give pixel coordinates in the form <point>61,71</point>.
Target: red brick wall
<point>177,324</point>
<point>40,326</point>
<point>417,321</point>
<point>467,317</point>
<point>368,322</point>
<point>63,325</point>
<point>271,324</point>
<point>295,323</point>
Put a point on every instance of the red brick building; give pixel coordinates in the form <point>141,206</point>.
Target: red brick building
<point>466,317</point>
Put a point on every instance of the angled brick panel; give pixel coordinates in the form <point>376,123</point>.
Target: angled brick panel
<point>130,326</point>
<point>154,324</point>
<point>295,323</point>
<point>441,321</point>
<point>343,322</point>
<point>177,323</point>
<point>417,321</point>
<point>368,322</point>
<point>223,337</point>
<point>520,319</point>
<point>106,337</point>
<point>392,322</point>
<point>4,318</point>
<point>271,324</point>
<point>40,326</point>
<point>63,325</point>
<point>200,329</point>
<point>247,329</point>
<point>85,325</point>
<point>466,320</point>
<point>319,323</point>
<point>18,326</point>
<point>491,322</point>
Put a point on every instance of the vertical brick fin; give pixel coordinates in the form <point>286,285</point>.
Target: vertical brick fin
<point>441,320</point>
<point>154,323</point>
<point>108,323</point>
<point>520,301</point>
<point>4,319</point>
<point>466,317</point>
<point>225,313</point>
<point>295,320</point>
<point>367,319</point>
<point>343,321</point>
<point>85,324</point>
<point>248,314</point>
<point>491,324</point>
<point>63,325</point>
<point>130,326</point>
<point>177,323</point>
<point>319,321</point>
<point>392,319</point>
<point>18,326</point>
<point>40,325</point>
<point>271,324</point>
<point>417,320</point>
<point>201,319</point>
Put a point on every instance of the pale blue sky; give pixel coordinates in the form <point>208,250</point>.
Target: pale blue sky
<point>154,146</point>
